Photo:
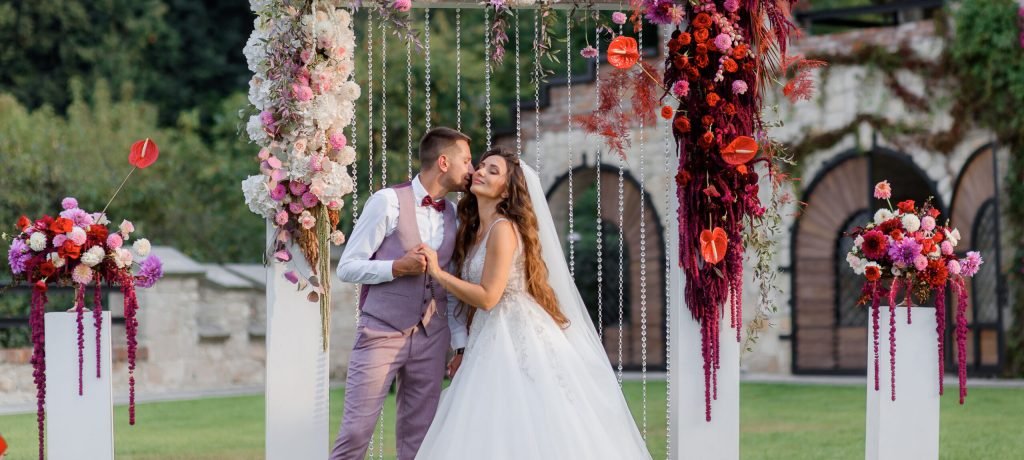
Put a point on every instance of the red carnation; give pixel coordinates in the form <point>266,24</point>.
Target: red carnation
<point>906,206</point>
<point>47,269</point>
<point>61,225</point>
<point>712,100</point>
<point>97,235</point>
<point>890,225</point>
<point>875,245</point>
<point>70,250</point>
<point>937,274</point>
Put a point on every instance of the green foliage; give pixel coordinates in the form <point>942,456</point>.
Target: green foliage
<point>989,62</point>
<point>990,66</point>
<point>177,54</point>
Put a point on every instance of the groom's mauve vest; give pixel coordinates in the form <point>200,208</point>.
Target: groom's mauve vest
<point>403,302</point>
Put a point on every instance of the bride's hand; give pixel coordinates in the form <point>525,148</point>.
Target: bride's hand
<point>432,266</point>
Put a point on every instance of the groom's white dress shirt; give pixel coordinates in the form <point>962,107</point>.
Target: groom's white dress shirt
<point>379,219</point>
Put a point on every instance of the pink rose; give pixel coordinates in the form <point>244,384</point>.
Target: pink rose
<point>295,207</point>
<point>278,193</point>
<point>114,241</point>
<point>309,200</point>
<point>402,5</point>
<point>300,146</point>
<point>297,188</point>
<point>281,218</point>
<point>739,87</point>
<point>619,17</point>
<point>307,220</point>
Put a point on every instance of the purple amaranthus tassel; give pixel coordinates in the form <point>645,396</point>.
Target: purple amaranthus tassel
<point>97,318</point>
<point>79,319</point>
<point>36,322</point>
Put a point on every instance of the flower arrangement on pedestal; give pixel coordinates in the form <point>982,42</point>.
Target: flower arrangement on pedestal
<point>80,249</point>
<point>303,89</point>
<point>905,247</point>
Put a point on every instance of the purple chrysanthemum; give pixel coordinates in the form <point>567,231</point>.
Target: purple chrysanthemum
<point>903,252</point>
<point>152,270</point>
<point>17,256</point>
<point>663,12</point>
<point>970,265</point>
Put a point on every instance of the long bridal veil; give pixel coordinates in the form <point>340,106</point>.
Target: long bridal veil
<point>608,399</point>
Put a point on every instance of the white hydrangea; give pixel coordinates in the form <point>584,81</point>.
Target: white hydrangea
<point>257,196</point>
<point>911,223</point>
<point>37,241</point>
<point>254,128</point>
<point>332,186</point>
<point>142,247</point>
<point>346,156</point>
<point>259,6</point>
<point>882,215</point>
<point>350,91</point>
<point>93,257</point>
<point>259,92</point>
<point>255,50</point>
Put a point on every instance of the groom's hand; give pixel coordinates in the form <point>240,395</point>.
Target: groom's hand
<point>453,365</point>
<point>412,263</point>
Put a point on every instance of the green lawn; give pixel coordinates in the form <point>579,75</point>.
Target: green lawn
<point>778,422</point>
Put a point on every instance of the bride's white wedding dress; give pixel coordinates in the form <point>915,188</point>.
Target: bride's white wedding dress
<point>528,389</point>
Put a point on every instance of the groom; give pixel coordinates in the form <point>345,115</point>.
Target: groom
<point>407,321</point>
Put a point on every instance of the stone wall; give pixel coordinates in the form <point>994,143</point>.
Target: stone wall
<point>202,327</point>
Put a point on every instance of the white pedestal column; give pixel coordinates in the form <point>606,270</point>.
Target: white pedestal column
<point>908,427</point>
<point>693,437</point>
<point>78,426</point>
<point>297,371</point>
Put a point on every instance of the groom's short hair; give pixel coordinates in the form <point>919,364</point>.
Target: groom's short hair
<point>435,142</point>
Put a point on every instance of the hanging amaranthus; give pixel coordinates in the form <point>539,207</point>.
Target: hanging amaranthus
<point>719,67</point>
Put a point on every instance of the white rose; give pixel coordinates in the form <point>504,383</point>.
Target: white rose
<point>37,241</point>
<point>882,215</point>
<point>93,257</point>
<point>123,258</point>
<point>911,223</point>
<point>142,247</point>
<point>856,263</point>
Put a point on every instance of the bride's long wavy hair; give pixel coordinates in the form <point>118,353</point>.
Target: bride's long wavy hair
<point>518,209</point>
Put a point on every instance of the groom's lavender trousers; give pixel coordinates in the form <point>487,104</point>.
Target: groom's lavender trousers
<point>380,355</point>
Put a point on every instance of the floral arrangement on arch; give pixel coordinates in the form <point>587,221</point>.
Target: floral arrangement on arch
<point>80,249</point>
<point>905,247</point>
<point>302,88</point>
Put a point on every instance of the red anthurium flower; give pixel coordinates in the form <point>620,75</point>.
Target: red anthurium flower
<point>143,153</point>
<point>623,52</point>
<point>713,245</point>
<point>740,150</point>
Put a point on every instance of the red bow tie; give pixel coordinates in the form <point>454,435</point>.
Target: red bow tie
<point>429,201</point>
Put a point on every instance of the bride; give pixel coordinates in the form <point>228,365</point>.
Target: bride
<point>535,382</point>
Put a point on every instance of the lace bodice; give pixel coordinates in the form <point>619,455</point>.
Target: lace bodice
<point>473,269</point>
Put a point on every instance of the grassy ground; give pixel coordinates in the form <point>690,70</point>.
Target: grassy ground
<point>778,422</point>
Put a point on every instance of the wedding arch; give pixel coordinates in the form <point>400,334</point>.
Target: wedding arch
<point>305,92</point>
